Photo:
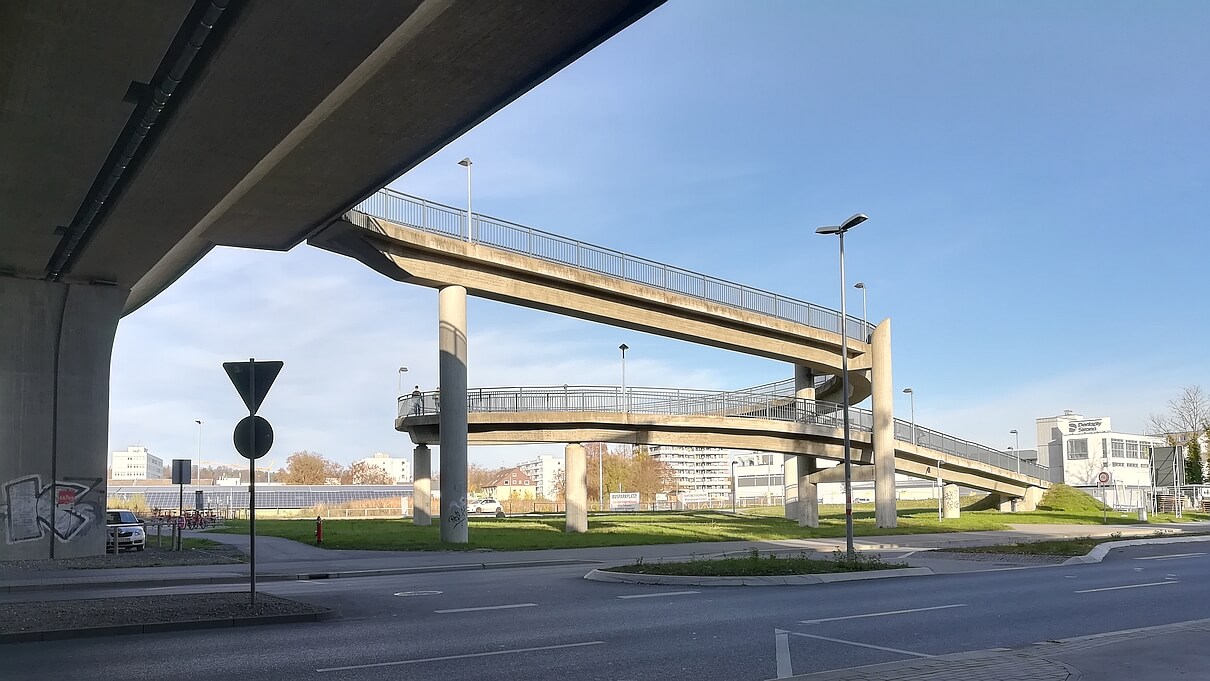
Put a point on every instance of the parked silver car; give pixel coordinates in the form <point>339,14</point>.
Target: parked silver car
<point>130,531</point>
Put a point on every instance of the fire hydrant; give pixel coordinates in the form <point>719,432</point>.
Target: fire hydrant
<point>319,530</point>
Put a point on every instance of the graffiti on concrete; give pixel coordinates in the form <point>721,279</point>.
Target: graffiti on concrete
<point>30,510</point>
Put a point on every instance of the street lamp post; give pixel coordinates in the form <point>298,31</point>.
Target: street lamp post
<point>199,445</point>
<point>1017,449</point>
<point>470,216</point>
<point>402,371</point>
<point>624,347</point>
<point>861,285</point>
<point>840,230</point>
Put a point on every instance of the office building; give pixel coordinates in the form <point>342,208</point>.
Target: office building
<point>1083,448</point>
<point>397,469</point>
<point>136,463</point>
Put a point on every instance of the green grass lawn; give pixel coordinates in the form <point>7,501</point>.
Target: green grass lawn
<point>629,529</point>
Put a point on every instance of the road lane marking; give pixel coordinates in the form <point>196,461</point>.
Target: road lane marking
<point>782,644</point>
<point>487,607</point>
<point>861,645</point>
<point>460,657</point>
<point>882,614</point>
<point>1175,555</point>
<point>1128,586</point>
<point>662,593</point>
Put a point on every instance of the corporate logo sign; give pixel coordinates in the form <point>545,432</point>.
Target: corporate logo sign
<point>1087,426</point>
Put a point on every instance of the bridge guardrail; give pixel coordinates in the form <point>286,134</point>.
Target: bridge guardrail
<point>675,401</point>
<point>428,216</point>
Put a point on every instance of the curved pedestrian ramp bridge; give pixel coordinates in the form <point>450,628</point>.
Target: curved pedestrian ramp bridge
<point>756,419</point>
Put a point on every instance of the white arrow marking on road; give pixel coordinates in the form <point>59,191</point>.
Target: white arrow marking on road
<point>781,639</point>
<point>1175,555</point>
<point>862,645</point>
<point>487,607</point>
<point>881,614</point>
<point>1128,586</point>
<point>460,657</point>
<point>662,593</point>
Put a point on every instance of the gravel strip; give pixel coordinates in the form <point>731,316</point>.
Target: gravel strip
<point>221,554</point>
<point>99,612</point>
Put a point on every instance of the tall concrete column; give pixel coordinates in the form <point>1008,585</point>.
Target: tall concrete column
<point>793,466</point>
<point>883,394</point>
<point>422,500</point>
<point>808,493</point>
<point>949,501</point>
<point>56,343</point>
<point>575,479</point>
<point>451,342</point>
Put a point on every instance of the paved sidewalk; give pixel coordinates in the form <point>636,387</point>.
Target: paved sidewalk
<point>285,559</point>
<point>1130,655</point>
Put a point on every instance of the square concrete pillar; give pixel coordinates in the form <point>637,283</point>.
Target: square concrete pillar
<point>883,397</point>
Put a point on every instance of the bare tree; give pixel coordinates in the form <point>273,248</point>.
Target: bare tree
<point>1188,416</point>
<point>309,468</point>
<point>362,473</point>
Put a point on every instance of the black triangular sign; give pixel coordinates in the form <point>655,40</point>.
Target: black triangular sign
<point>242,378</point>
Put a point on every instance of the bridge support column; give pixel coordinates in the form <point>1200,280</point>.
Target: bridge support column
<point>575,472</point>
<point>883,393</point>
<point>1033,496</point>
<point>56,343</point>
<point>451,341</point>
<point>808,493</point>
<point>422,500</point>
<point>793,466</point>
<point>950,501</point>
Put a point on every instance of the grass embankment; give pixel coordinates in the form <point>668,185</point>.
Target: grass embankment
<point>753,565</point>
<point>1061,505</point>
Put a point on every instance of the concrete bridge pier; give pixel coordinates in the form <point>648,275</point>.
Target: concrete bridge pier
<point>451,342</point>
<point>422,500</point>
<point>575,471</point>
<point>808,493</point>
<point>56,343</point>
<point>1023,504</point>
<point>795,467</point>
<point>950,501</point>
<point>883,398</point>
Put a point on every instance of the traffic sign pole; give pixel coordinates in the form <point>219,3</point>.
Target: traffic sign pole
<point>252,491</point>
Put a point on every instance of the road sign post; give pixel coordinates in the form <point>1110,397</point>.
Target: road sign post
<point>253,437</point>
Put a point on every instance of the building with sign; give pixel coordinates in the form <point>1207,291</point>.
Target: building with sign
<point>1084,448</point>
<point>136,463</point>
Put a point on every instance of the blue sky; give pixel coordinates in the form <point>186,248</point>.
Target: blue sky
<point>1035,175</point>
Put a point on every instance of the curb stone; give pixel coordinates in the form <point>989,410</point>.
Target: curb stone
<point>1098,553</point>
<point>157,627</point>
<point>68,584</point>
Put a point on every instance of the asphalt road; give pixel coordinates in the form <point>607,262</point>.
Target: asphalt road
<point>551,624</point>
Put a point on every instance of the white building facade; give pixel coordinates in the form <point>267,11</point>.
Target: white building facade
<point>704,470</point>
<point>399,470</point>
<point>136,463</point>
<point>1084,448</point>
<point>544,472</point>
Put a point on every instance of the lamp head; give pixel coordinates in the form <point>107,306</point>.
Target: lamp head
<point>466,162</point>
<point>828,230</point>
<point>859,285</point>
<point>623,347</point>
<point>1013,431</point>
<point>908,391</point>
<point>853,221</point>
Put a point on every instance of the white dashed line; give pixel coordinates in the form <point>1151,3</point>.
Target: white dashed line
<point>487,607</point>
<point>1127,586</point>
<point>882,614</point>
<point>662,593</point>
<point>460,657</point>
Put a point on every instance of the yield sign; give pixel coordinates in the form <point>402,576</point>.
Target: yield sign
<point>252,380</point>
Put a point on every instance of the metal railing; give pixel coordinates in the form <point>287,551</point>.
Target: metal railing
<point>736,404</point>
<point>417,213</point>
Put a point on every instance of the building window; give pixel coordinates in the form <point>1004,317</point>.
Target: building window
<point>1077,449</point>
<point>1117,448</point>
<point>1132,450</point>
